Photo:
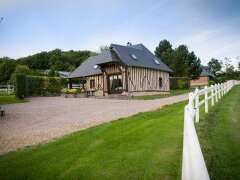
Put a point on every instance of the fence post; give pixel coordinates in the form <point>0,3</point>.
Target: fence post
<point>216,92</point>
<point>206,98</point>
<point>197,105</point>
<point>212,95</point>
<point>219,92</point>
<point>224,85</point>
<point>8,89</point>
<point>227,85</point>
<point>222,89</point>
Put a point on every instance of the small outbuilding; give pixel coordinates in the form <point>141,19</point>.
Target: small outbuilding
<point>203,79</point>
<point>130,69</point>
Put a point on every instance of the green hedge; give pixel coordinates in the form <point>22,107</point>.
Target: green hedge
<point>39,85</point>
<point>179,83</point>
<point>20,86</point>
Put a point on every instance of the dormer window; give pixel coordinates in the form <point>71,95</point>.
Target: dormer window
<point>156,61</point>
<point>133,56</point>
<point>95,66</point>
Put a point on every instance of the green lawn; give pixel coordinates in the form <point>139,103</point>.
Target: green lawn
<point>219,136</point>
<point>10,100</point>
<point>157,96</point>
<point>143,146</point>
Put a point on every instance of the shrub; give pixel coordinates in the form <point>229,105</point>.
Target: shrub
<point>70,91</point>
<point>41,86</point>
<point>179,83</point>
<point>20,86</point>
<point>35,85</point>
<point>54,85</point>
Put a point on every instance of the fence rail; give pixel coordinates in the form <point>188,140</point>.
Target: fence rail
<point>6,89</point>
<point>193,164</point>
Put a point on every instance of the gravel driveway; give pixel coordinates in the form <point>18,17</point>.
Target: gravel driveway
<point>45,118</point>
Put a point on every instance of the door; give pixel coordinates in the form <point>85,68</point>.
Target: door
<point>115,85</point>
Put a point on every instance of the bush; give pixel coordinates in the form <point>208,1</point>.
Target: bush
<point>34,85</point>
<point>70,91</point>
<point>20,86</point>
<point>54,85</point>
<point>41,86</point>
<point>179,83</point>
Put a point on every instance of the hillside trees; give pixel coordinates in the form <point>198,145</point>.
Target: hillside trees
<point>56,59</point>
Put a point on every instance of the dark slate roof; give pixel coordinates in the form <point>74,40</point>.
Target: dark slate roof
<point>206,72</point>
<point>119,53</point>
<point>145,58</point>
<point>87,67</point>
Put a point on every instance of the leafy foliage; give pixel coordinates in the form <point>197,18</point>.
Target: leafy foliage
<point>38,85</point>
<point>215,65</point>
<point>164,51</point>
<point>56,59</point>
<point>20,86</point>
<point>179,83</point>
<point>7,67</point>
<point>180,60</point>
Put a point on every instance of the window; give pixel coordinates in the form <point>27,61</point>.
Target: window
<point>115,83</point>
<point>133,56</point>
<point>92,84</point>
<point>160,82</point>
<point>95,66</point>
<point>156,61</point>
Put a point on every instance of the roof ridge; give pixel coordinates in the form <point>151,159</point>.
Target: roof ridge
<point>126,46</point>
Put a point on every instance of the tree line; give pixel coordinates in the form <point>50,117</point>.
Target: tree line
<point>187,64</point>
<point>55,60</point>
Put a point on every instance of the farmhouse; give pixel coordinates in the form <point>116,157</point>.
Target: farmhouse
<point>130,69</point>
<point>204,77</point>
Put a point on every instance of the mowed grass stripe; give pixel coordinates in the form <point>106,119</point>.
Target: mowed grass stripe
<point>219,136</point>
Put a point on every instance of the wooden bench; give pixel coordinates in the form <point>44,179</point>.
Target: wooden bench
<point>2,112</point>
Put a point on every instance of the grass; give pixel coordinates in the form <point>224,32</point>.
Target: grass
<point>219,134</point>
<point>157,96</point>
<point>11,99</point>
<point>144,146</point>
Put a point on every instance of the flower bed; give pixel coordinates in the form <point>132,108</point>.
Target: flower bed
<point>73,93</point>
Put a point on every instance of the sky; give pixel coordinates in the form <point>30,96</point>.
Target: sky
<point>210,28</point>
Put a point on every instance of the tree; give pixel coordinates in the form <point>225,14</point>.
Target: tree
<point>194,66</point>
<point>164,52</point>
<point>180,60</point>
<point>22,69</point>
<point>179,63</point>
<point>215,66</point>
<point>229,68</point>
<point>7,67</point>
<point>104,48</point>
<point>52,73</point>
<point>57,59</point>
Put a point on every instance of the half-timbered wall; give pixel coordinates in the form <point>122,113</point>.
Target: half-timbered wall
<point>137,79</point>
<point>145,79</point>
<point>98,82</point>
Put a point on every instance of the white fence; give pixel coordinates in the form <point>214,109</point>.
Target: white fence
<point>193,164</point>
<point>6,89</point>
